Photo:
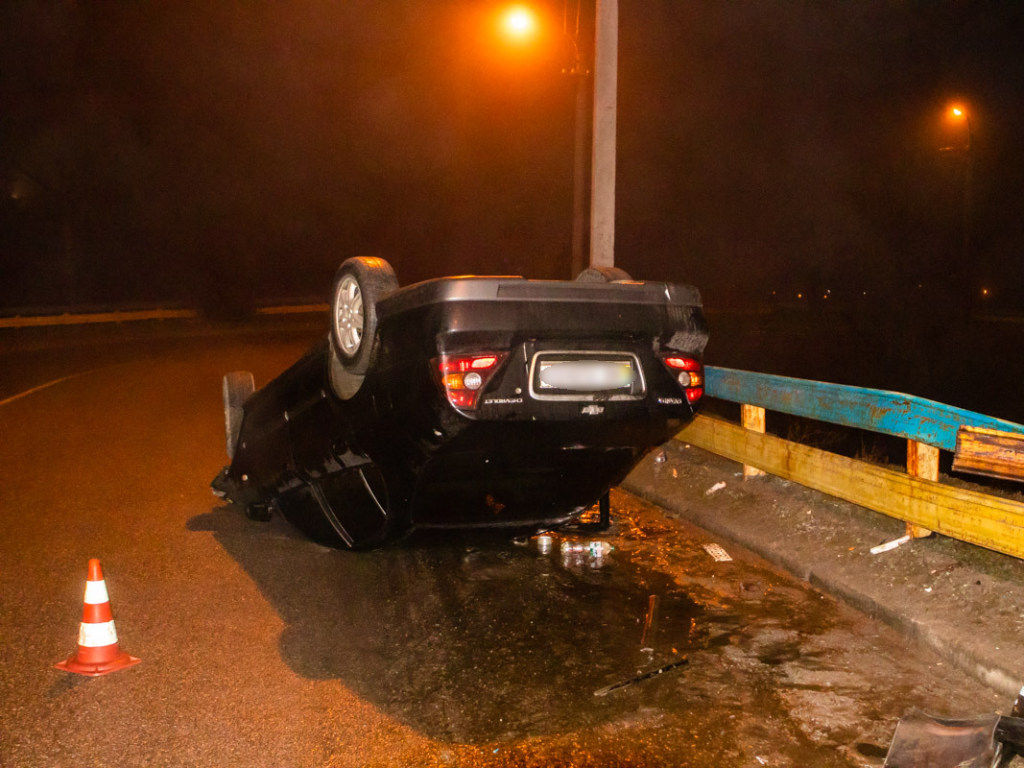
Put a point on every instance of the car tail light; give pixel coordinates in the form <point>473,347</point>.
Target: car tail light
<point>463,377</point>
<point>689,374</point>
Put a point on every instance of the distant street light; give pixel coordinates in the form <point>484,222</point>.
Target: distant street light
<point>958,115</point>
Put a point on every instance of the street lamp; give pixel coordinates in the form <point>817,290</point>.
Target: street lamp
<point>958,115</point>
<point>519,24</point>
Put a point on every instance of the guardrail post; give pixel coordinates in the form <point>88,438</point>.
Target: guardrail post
<point>922,462</point>
<point>752,418</point>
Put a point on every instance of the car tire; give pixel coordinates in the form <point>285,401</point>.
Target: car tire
<point>236,388</point>
<point>344,384</point>
<point>359,284</point>
<point>603,275</point>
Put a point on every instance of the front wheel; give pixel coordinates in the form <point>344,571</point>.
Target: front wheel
<point>236,388</point>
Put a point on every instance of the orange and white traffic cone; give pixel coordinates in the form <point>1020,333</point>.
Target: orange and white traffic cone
<point>98,652</point>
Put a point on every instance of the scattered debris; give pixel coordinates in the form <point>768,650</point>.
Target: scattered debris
<point>715,488</point>
<point>890,545</point>
<point>718,553</point>
<point>675,472</point>
<point>592,548</point>
<point>639,678</point>
<point>650,624</point>
<point>660,458</point>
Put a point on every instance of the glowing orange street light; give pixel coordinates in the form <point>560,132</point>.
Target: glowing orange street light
<point>519,23</point>
<point>961,117</point>
<point>958,120</point>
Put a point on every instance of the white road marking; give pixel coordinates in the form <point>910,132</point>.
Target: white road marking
<point>47,385</point>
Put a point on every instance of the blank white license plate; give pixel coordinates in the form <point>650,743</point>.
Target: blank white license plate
<point>585,375</point>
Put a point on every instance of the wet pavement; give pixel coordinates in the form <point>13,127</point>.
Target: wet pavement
<point>260,648</point>
<point>493,650</point>
<point>962,601</point>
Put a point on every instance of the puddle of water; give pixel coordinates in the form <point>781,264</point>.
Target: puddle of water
<point>481,644</point>
<point>524,637</point>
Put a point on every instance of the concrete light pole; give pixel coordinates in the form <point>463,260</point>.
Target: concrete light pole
<point>602,180</point>
<point>583,98</point>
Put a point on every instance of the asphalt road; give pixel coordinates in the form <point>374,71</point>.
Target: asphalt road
<point>260,648</point>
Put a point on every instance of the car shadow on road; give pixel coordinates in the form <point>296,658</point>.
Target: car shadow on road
<point>465,638</point>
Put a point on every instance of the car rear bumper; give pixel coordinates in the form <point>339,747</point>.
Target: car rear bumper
<point>518,473</point>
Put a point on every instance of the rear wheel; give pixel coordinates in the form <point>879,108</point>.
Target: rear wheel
<point>358,285</point>
<point>602,275</point>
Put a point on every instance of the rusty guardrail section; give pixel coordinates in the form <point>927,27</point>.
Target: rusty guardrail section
<point>980,443</point>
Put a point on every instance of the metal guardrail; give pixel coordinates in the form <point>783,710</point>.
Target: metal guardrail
<point>875,410</point>
<point>915,497</point>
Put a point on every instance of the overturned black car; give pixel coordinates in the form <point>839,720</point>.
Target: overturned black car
<point>464,401</point>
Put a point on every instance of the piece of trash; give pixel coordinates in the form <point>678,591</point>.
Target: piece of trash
<point>592,548</point>
<point>718,553</point>
<point>890,545</point>
<point>544,543</point>
<point>761,760</point>
<point>675,472</point>
<point>639,678</point>
<point>714,488</point>
<point>927,589</point>
<point>579,562</point>
<point>660,457</point>
<point>650,624</point>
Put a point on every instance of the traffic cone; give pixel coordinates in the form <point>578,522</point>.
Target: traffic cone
<point>98,652</point>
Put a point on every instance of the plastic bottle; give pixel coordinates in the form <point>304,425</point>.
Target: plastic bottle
<point>592,548</point>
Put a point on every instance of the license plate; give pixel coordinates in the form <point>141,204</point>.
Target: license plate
<point>584,375</point>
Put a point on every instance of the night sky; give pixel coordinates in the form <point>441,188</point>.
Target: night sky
<point>227,153</point>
